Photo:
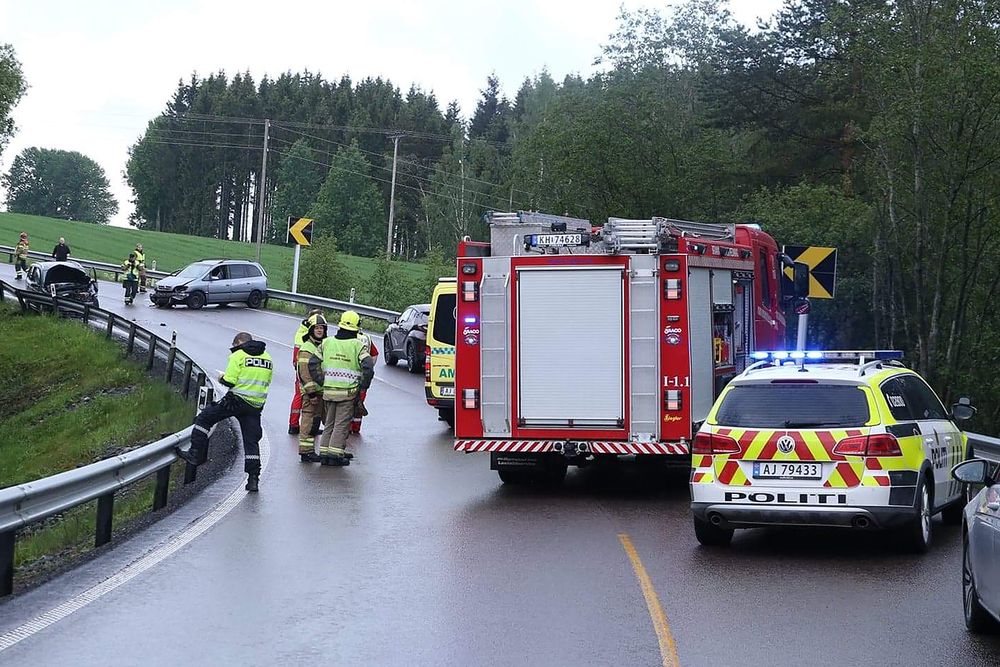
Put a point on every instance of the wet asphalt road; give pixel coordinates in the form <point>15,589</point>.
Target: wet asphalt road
<point>417,555</point>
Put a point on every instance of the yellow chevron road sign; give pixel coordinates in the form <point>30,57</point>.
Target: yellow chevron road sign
<point>822,263</point>
<point>300,229</point>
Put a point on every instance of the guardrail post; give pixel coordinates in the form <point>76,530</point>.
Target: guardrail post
<point>151,359</point>
<point>86,313</point>
<point>171,359</point>
<point>188,369</point>
<point>162,488</point>
<point>7,542</point>
<point>111,324</point>
<point>105,515</point>
<point>131,338</point>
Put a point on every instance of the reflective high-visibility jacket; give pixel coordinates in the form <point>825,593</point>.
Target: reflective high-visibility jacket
<point>21,250</point>
<point>348,367</point>
<point>140,258</point>
<point>248,373</point>
<point>310,366</point>
<point>130,270</point>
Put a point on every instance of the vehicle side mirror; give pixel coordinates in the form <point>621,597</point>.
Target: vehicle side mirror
<point>973,471</point>
<point>963,410</point>
<point>800,279</point>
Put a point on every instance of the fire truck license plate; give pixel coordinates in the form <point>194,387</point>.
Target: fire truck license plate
<point>555,239</point>
<point>786,470</point>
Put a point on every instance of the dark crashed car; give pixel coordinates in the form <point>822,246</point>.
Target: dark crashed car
<point>64,280</point>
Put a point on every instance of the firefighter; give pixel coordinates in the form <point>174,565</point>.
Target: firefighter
<point>348,369</point>
<point>248,376</point>
<point>130,277</point>
<point>21,256</point>
<point>140,258</point>
<point>310,376</point>
<point>362,412</point>
<point>295,413</point>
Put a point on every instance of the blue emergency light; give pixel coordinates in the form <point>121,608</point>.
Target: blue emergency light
<point>827,355</point>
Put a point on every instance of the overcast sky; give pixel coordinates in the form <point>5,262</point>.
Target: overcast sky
<point>99,70</point>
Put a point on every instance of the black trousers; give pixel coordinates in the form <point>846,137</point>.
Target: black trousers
<point>249,419</point>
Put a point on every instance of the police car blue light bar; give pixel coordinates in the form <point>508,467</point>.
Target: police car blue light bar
<point>828,355</point>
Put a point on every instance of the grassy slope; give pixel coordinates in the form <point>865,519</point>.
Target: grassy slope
<point>170,251</point>
<point>68,399</point>
<point>51,366</point>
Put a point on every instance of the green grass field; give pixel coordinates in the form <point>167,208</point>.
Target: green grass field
<point>70,399</point>
<point>169,251</point>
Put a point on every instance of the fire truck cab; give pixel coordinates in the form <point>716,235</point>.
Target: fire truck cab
<point>575,342</point>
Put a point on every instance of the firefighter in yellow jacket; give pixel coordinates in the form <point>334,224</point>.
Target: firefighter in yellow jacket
<point>248,376</point>
<point>310,379</point>
<point>21,256</point>
<point>140,261</point>
<point>295,413</point>
<point>348,369</point>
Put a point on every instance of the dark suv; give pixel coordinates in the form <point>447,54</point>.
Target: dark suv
<point>407,336</point>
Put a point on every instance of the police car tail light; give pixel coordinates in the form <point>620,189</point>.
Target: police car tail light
<point>882,444</point>
<point>711,443</point>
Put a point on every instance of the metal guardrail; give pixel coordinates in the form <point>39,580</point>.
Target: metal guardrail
<point>985,447</point>
<point>36,501</point>
<point>272,294</point>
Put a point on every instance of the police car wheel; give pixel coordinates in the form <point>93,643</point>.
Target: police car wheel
<point>977,619</point>
<point>918,532</point>
<point>712,536</point>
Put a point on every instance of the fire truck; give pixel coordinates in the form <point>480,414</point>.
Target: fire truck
<point>577,343</point>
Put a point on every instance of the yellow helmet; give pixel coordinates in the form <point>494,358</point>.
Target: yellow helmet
<point>350,321</point>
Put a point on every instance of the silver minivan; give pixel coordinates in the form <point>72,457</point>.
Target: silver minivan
<point>219,281</point>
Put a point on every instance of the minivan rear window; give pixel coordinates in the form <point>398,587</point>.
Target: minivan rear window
<point>444,319</point>
<point>806,405</point>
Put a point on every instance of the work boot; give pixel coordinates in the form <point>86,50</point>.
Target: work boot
<point>293,430</point>
<point>188,455</point>
<point>252,482</point>
<point>339,453</point>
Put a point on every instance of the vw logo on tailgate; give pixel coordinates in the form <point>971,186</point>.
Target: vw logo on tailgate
<point>786,444</point>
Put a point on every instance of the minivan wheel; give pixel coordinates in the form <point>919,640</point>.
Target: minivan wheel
<point>388,356</point>
<point>196,300</point>
<point>413,363</point>
<point>256,299</point>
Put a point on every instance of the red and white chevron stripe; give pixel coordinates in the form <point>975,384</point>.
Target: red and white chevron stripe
<point>534,446</point>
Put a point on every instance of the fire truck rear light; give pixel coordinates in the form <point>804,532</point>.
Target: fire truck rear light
<point>672,265</point>
<point>672,400</point>
<point>470,290</point>
<point>469,269</point>
<point>470,399</point>
<point>672,288</point>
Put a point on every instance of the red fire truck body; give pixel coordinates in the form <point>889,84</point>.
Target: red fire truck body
<point>575,343</point>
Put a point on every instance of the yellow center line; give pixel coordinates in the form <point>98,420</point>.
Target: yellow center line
<point>668,649</point>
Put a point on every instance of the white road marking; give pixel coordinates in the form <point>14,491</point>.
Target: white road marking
<point>136,567</point>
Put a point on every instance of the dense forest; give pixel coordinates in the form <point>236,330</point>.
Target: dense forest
<point>866,125</point>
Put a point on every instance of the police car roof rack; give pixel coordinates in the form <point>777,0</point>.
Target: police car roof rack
<point>864,366</point>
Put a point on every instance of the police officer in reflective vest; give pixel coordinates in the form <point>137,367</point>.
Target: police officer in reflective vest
<point>310,376</point>
<point>248,376</point>
<point>295,414</point>
<point>348,369</point>
<point>130,277</point>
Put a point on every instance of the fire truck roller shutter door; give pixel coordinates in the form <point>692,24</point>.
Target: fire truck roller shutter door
<point>702,351</point>
<point>557,384</point>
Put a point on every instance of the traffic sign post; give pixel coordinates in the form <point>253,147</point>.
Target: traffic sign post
<point>299,230</point>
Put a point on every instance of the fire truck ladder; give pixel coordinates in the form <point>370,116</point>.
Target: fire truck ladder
<point>652,236</point>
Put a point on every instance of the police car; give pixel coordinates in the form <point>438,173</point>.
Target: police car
<point>843,438</point>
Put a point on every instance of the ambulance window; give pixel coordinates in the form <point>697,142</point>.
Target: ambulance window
<point>444,318</point>
<point>924,404</point>
<point>794,405</point>
<point>765,281</point>
<point>897,400</point>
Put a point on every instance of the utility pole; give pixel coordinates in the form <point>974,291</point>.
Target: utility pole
<point>261,189</point>
<point>392,193</point>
